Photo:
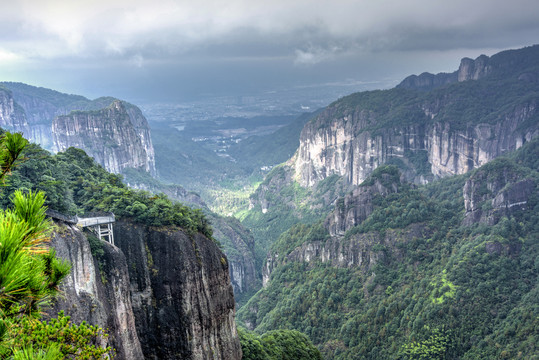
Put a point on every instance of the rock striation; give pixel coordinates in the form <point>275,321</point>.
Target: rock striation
<point>361,251</point>
<point>41,113</point>
<point>240,249</point>
<point>237,242</point>
<point>357,205</point>
<point>97,290</point>
<point>12,117</point>
<point>446,131</point>
<point>496,190</point>
<point>182,296</point>
<point>162,294</point>
<point>109,135</point>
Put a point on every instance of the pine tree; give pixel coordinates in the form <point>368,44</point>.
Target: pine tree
<point>30,275</point>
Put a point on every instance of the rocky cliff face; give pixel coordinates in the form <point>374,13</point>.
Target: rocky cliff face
<point>143,133</point>
<point>11,115</point>
<point>345,148</point>
<point>240,249</point>
<point>444,132</point>
<point>359,251</point>
<point>469,69</point>
<point>182,297</point>
<point>237,242</point>
<point>40,106</point>
<point>108,135</point>
<point>97,291</point>
<point>41,113</point>
<point>168,297</point>
<point>495,191</point>
<point>357,205</point>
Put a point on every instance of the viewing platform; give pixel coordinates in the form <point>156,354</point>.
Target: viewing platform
<point>99,223</point>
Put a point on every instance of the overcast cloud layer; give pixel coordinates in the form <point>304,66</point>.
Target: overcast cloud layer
<point>151,49</point>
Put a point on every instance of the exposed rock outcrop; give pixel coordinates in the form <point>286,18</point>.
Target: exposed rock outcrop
<point>236,240</point>
<point>97,291</point>
<point>182,297</point>
<point>427,81</point>
<point>168,297</point>
<point>359,251</point>
<point>241,255</point>
<point>40,107</point>
<point>347,149</point>
<point>497,190</point>
<point>469,69</point>
<point>357,205</point>
<point>275,181</point>
<point>439,133</point>
<point>479,68</point>
<point>109,135</point>
<point>40,114</point>
<point>12,117</point>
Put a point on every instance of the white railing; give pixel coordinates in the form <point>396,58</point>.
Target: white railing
<point>100,225</point>
<point>95,221</point>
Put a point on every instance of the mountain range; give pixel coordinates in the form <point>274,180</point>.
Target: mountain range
<point>403,226</point>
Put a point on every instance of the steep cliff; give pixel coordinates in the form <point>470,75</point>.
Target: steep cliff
<point>492,109</point>
<point>358,204</point>
<point>40,106</point>
<point>97,290</point>
<point>182,297</point>
<point>108,135</point>
<point>239,247</point>
<point>360,251</point>
<point>46,111</point>
<point>142,130</point>
<point>237,242</point>
<point>498,189</point>
<point>12,117</point>
<point>457,253</point>
<point>168,297</point>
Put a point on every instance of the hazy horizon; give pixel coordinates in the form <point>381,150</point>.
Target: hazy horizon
<point>179,51</point>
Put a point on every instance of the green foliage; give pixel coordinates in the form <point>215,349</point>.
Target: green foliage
<point>180,160</point>
<point>225,183</point>
<point>445,291</point>
<point>277,345</point>
<point>461,104</point>
<point>251,345</point>
<point>11,146</point>
<point>74,183</point>
<point>57,336</point>
<point>434,347</point>
<point>387,175</point>
<point>96,245</point>
<point>398,210</point>
<point>30,275</point>
<point>29,272</point>
<point>297,235</point>
<point>288,204</point>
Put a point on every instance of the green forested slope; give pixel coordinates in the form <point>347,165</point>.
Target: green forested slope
<point>75,184</point>
<point>449,291</point>
<point>512,80</point>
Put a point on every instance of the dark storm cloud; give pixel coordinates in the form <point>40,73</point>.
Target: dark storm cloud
<point>161,45</point>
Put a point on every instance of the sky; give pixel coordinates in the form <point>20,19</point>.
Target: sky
<point>174,50</point>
